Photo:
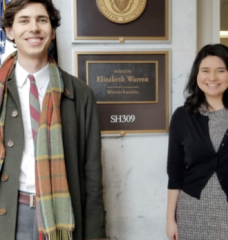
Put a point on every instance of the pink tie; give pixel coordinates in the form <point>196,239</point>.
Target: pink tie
<point>34,106</point>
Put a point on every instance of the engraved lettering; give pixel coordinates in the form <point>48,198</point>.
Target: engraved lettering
<point>122,71</point>
<point>122,92</point>
<point>111,79</point>
<point>113,119</point>
<point>133,79</point>
<point>123,118</point>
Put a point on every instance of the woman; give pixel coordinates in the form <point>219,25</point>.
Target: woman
<point>197,166</point>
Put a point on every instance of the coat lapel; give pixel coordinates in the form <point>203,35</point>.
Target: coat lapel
<point>12,87</point>
<point>67,83</point>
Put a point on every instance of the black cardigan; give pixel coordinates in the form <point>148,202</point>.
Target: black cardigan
<point>192,159</point>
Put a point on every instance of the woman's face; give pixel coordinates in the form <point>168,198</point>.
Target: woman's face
<point>212,77</point>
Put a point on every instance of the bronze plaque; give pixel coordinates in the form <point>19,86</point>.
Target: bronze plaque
<point>123,81</point>
<point>119,117</point>
<point>121,20</point>
<point>121,11</point>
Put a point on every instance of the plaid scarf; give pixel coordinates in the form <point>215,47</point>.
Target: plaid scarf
<point>53,202</point>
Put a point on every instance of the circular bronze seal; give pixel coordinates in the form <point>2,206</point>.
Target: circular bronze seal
<point>121,11</point>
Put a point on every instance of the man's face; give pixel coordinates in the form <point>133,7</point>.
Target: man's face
<point>32,31</point>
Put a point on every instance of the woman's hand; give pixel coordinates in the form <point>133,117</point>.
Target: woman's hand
<point>172,230</point>
<point>171,226</point>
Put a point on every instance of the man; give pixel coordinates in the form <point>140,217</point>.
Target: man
<point>49,137</point>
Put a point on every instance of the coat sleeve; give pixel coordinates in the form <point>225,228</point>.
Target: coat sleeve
<point>94,207</point>
<point>175,163</point>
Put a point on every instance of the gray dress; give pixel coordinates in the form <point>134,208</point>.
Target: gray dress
<point>207,218</point>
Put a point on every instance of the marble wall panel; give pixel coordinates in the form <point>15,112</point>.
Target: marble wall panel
<point>135,179</point>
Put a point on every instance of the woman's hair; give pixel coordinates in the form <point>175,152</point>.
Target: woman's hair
<point>195,96</point>
<point>14,6</point>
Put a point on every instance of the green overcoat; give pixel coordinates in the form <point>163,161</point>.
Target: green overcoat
<point>81,139</point>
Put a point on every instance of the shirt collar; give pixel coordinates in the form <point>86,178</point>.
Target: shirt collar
<point>41,77</point>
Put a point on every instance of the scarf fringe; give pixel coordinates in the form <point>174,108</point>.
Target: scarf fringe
<point>59,234</point>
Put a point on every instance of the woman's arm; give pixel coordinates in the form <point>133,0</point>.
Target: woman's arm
<point>175,170</point>
<point>171,225</point>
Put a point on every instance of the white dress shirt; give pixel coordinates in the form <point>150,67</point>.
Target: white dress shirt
<point>27,174</point>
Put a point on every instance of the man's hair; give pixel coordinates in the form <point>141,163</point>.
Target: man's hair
<point>195,96</point>
<point>14,6</point>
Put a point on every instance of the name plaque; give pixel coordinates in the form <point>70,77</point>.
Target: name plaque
<point>132,89</point>
<point>123,81</point>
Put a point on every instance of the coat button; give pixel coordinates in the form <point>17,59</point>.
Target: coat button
<point>67,91</point>
<point>10,143</point>
<point>14,113</point>
<point>2,211</point>
<point>4,177</point>
<point>186,167</point>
